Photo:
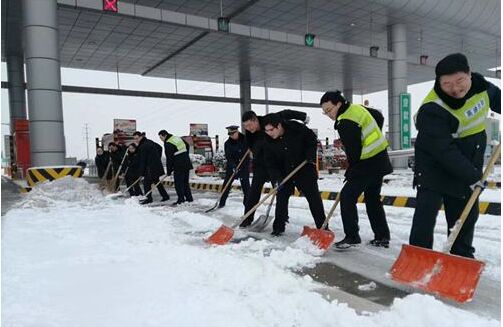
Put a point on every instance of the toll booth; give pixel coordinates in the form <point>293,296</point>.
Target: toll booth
<point>21,137</point>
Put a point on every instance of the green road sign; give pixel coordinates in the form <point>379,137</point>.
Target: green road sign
<point>309,39</point>
<point>223,24</point>
<point>405,125</point>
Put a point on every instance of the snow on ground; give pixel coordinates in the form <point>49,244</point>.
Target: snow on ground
<point>71,257</point>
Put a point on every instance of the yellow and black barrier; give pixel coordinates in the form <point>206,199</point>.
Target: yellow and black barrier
<point>43,174</point>
<point>490,208</point>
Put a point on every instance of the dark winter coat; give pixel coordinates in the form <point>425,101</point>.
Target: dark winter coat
<point>132,165</point>
<point>117,157</point>
<point>284,154</point>
<point>256,141</point>
<point>350,134</point>
<point>180,162</point>
<point>445,164</point>
<point>234,151</point>
<point>101,162</point>
<point>149,158</point>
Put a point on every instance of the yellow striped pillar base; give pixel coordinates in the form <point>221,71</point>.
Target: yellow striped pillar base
<point>37,175</point>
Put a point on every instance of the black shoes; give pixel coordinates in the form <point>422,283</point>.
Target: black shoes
<point>174,204</point>
<point>348,242</point>
<point>165,199</point>
<point>146,201</point>
<point>384,243</point>
<point>247,222</point>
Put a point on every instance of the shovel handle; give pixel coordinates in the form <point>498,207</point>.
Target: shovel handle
<point>229,182</point>
<point>120,166</point>
<point>332,210</point>
<point>136,181</point>
<point>475,194</point>
<point>273,192</point>
<point>159,182</point>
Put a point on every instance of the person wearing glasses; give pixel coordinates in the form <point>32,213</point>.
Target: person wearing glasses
<point>256,140</point>
<point>360,132</point>
<point>449,150</point>
<point>289,143</point>
<point>235,148</point>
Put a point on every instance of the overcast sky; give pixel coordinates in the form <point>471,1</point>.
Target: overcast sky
<point>152,115</point>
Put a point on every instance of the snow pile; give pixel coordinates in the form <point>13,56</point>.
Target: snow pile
<point>367,287</point>
<point>66,191</point>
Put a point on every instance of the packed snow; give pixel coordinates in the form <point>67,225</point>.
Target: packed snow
<point>72,257</point>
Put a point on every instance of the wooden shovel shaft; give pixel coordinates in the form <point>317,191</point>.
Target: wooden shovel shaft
<point>104,178</point>
<point>332,210</point>
<point>273,192</point>
<point>229,182</point>
<point>459,223</point>
<point>159,182</point>
<point>119,170</point>
<point>136,181</point>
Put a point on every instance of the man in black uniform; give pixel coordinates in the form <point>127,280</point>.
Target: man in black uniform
<point>360,132</point>
<point>131,170</point>
<point>255,139</point>
<point>289,143</point>
<point>178,162</point>
<point>102,159</point>
<point>449,150</point>
<point>150,165</point>
<point>235,148</point>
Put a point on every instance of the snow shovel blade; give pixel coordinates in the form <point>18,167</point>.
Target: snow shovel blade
<point>447,275</point>
<point>261,223</point>
<point>320,237</point>
<point>222,236</point>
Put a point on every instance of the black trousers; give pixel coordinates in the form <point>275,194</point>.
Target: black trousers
<point>244,179</point>
<point>306,180</point>
<point>253,196</point>
<point>370,186</point>
<point>136,189</point>
<point>148,180</point>
<point>428,204</point>
<point>182,185</point>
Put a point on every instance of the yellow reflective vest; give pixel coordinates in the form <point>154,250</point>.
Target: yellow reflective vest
<point>178,143</point>
<point>373,141</point>
<point>471,117</point>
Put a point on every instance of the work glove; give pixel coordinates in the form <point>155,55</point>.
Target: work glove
<point>479,184</point>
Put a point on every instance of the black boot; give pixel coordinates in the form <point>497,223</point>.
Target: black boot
<point>348,242</point>
<point>146,201</point>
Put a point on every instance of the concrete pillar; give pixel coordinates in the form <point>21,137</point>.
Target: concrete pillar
<point>17,99</point>
<point>348,94</point>
<point>266,90</point>
<point>245,95</point>
<point>43,75</point>
<point>397,83</point>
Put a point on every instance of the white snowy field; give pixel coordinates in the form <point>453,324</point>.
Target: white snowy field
<point>72,257</point>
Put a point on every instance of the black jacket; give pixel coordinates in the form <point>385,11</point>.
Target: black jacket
<point>149,158</point>
<point>285,153</point>
<point>180,162</point>
<point>234,151</point>
<point>101,162</point>
<point>132,164</point>
<point>117,158</point>
<point>350,134</point>
<point>445,164</point>
<point>256,141</point>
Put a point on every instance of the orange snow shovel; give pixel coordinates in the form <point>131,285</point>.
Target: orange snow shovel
<point>441,273</point>
<point>224,234</point>
<point>320,237</point>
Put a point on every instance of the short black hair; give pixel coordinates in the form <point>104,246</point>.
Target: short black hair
<point>163,132</point>
<point>138,133</point>
<point>112,144</point>
<point>273,119</point>
<point>334,96</point>
<point>248,115</point>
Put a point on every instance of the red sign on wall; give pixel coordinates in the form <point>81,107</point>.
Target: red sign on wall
<point>110,5</point>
